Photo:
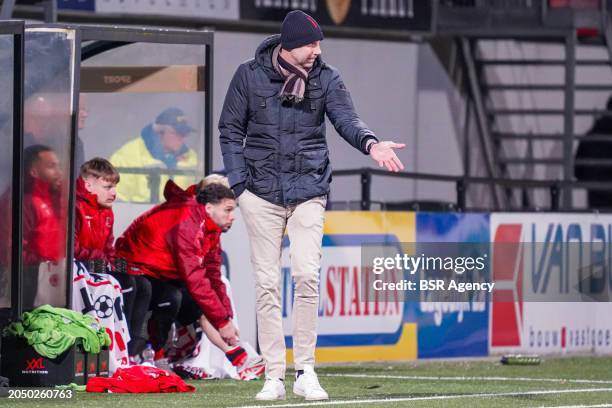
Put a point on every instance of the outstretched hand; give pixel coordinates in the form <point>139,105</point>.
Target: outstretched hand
<point>383,153</point>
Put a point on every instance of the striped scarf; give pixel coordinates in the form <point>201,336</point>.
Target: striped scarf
<point>295,78</point>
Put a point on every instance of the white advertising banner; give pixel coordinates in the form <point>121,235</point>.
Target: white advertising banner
<point>237,267</point>
<point>552,277</point>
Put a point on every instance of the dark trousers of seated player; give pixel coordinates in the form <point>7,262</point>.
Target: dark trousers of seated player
<point>136,292</point>
<point>170,301</point>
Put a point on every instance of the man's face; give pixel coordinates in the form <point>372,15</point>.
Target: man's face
<point>171,140</point>
<point>105,190</point>
<point>46,116</point>
<point>306,55</point>
<point>37,119</point>
<point>222,213</point>
<point>47,168</point>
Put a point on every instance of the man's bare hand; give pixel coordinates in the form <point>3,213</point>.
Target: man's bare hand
<point>383,154</point>
<point>229,333</point>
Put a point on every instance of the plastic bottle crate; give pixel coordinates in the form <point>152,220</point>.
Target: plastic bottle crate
<point>24,367</point>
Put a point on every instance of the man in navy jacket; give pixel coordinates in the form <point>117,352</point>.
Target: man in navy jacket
<point>276,156</point>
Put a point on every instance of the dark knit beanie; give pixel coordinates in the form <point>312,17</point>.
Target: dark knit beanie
<point>299,29</point>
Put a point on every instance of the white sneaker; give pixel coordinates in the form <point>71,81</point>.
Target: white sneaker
<point>307,386</point>
<point>273,390</point>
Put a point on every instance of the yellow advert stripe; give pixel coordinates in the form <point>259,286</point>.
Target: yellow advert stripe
<point>404,349</point>
<point>401,224</point>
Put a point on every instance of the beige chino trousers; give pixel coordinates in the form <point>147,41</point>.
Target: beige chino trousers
<point>266,224</point>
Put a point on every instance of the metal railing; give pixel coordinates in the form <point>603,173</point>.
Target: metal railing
<point>499,4</point>
<point>154,175</point>
<point>555,188</point>
<point>463,183</point>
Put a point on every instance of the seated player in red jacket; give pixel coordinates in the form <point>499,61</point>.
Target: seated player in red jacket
<point>96,191</point>
<point>176,246</point>
<point>93,242</point>
<point>43,222</point>
<point>255,367</point>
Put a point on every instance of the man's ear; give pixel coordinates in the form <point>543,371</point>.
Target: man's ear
<point>208,207</point>
<point>88,184</point>
<point>33,172</point>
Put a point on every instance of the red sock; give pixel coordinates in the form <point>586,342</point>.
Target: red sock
<point>237,356</point>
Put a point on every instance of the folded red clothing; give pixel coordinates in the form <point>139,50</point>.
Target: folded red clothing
<point>139,379</point>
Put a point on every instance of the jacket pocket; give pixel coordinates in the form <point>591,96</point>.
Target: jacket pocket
<point>312,108</point>
<point>264,106</point>
<point>314,161</point>
<point>261,169</point>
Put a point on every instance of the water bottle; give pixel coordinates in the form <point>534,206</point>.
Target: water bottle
<point>148,356</point>
<point>520,359</point>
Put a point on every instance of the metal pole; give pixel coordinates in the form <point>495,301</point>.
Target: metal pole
<point>50,11</point>
<point>74,134</point>
<point>554,197</point>
<point>6,12</point>
<point>460,187</point>
<point>543,11</point>
<point>366,186</point>
<point>154,186</point>
<point>17,189</point>
<point>466,139</point>
<point>208,125</point>
<point>568,116</point>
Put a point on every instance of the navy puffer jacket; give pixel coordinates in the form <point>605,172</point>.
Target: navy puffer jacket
<point>275,149</point>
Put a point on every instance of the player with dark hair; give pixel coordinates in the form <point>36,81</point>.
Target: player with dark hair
<point>43,225</point>
<point>176,246</point>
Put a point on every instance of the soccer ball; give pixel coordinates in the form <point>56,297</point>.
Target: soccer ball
<point>103,307</point>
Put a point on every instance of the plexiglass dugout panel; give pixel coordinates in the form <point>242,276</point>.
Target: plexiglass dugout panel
<point>49,104</point>
<point>8,68</point>
<point>142,108</point>
<point>144,103</point>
